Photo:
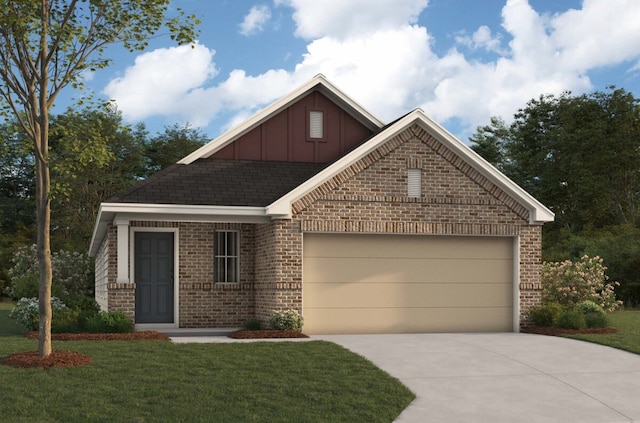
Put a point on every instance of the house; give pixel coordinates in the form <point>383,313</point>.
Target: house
<point>314,204</point>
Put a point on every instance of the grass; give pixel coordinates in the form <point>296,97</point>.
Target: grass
<point>628,336</point>
<point>148,381</point>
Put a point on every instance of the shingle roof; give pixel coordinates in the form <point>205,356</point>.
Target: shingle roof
<point>220,182</point>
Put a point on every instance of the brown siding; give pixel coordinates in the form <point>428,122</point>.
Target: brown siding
<point>284,136</point>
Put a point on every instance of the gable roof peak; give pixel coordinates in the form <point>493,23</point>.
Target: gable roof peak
<point>318,82</point>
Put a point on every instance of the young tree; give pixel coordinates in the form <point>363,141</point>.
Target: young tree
<point>45,45</point>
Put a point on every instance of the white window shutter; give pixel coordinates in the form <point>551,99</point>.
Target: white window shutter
<point>316,126</point>
<point>414,183</point>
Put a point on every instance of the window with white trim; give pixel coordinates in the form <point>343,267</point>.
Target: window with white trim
<point>226,257</point>
<point>414,183</point>
<point>316,124</point>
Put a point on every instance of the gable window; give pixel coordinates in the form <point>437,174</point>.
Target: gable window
<point>226,260</point>
<point>414,183</point>
<point>316,124</point>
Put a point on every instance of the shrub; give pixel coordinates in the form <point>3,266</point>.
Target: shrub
<point>108,322</point>
<point>286,320</point>
<point>73,280</point>
<point>253,324</point>
<point>570,283</point>
<point>65,321</point>
<point>571,318</point>
<point>27,314</point>
<point>545,315</point>
<point>596,320</point>
<point>594,315</point>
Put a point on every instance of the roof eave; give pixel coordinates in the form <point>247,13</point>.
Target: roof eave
<point>111,212</point>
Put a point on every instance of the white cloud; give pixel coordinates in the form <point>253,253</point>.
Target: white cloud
<point>383,58</point>
<point>163,81</point>
<point>254,21</point>
<point>340,18</point>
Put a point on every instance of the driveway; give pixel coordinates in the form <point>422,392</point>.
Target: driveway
<point>505,377</point>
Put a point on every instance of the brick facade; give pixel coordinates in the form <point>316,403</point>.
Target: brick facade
<point>370,196</point>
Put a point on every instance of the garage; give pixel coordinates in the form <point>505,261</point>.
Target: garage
<point>380,283</point>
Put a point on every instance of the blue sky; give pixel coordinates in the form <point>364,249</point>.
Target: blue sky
<point>461,61</point>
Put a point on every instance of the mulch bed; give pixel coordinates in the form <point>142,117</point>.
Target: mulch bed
<point>558,331</point>
<point>130,336</point>
<point>63,358</point>
<point>57,358</point>
<point>266,333</point>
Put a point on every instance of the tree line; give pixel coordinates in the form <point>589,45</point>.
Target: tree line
<point>580,156</point>
<point>93,155</point>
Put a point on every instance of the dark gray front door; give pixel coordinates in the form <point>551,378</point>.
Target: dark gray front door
<point>154,277</point>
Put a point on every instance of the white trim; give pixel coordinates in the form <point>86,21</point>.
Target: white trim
<point>281,208</point>
<point>176,273</point>
<point>121,212</point>
<point>122,252</point>
<point>516,284</point>
<point>318,82</point>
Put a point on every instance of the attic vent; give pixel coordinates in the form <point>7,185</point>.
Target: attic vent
<point>414,183</point>
<point>316,124</point>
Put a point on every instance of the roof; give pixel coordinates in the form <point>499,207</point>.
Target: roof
<point>319,83</point>
<point>220,182</point>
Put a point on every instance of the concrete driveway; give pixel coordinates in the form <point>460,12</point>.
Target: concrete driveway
<point>505,377</point>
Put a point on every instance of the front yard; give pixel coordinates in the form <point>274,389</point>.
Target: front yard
<point>145,381</point>
<point>628,336</point>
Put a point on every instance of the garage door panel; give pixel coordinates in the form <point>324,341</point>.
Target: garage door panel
<point>407,320</point>
<point>407,246</point>
<point>381,295</point>
<point>342,269</point>
<point>357,283</point>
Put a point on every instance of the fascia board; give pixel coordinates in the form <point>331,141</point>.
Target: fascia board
<point>327,88</point>
<point>124,212</point>
<point>281,208</point>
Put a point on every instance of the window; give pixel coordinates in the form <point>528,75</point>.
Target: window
<point>316,124</point>
<point>226,256</point>
<point>414,183</point>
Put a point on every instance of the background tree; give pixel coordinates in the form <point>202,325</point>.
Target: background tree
<point>173,144</point>
<point>44,47</point>
<point>580,156</point>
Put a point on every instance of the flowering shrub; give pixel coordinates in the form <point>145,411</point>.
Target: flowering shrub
<point>73,279</point>
<point>26,311</point>
<point>286,320</point>
<point>572,282</point>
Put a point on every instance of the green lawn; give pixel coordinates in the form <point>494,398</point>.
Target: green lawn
<point>146,381</point>
<point>628,336</point>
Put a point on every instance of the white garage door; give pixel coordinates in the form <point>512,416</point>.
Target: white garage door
<point>355,283</point>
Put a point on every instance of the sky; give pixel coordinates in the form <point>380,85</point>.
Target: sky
<point>461,61</point>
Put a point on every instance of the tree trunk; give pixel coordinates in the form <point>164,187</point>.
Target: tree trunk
<point>43,206</point>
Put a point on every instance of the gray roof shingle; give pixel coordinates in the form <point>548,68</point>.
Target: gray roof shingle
<point>220,182</point>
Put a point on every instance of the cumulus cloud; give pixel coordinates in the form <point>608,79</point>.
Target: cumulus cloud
<point>163,81</point>
<point>254,21</point>
<point>340,18</point>
<point>383,58</point>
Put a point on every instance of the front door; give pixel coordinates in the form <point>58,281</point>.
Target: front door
<point>154,277</point>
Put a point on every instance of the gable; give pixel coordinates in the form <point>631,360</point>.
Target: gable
<point>375,187</point>
<point>412,125</point>
<point>285,136</point>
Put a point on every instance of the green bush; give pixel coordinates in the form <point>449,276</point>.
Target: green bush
<point>65,321</point>
<point>286,320</point>
<point>571,318</point>
<point>27,314</point>
<point>590,307</point>
<point>73,277</point>
<point>596,320</point>
<point>545,315</point>
<point>253,324</point>
<point>108,322</point>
